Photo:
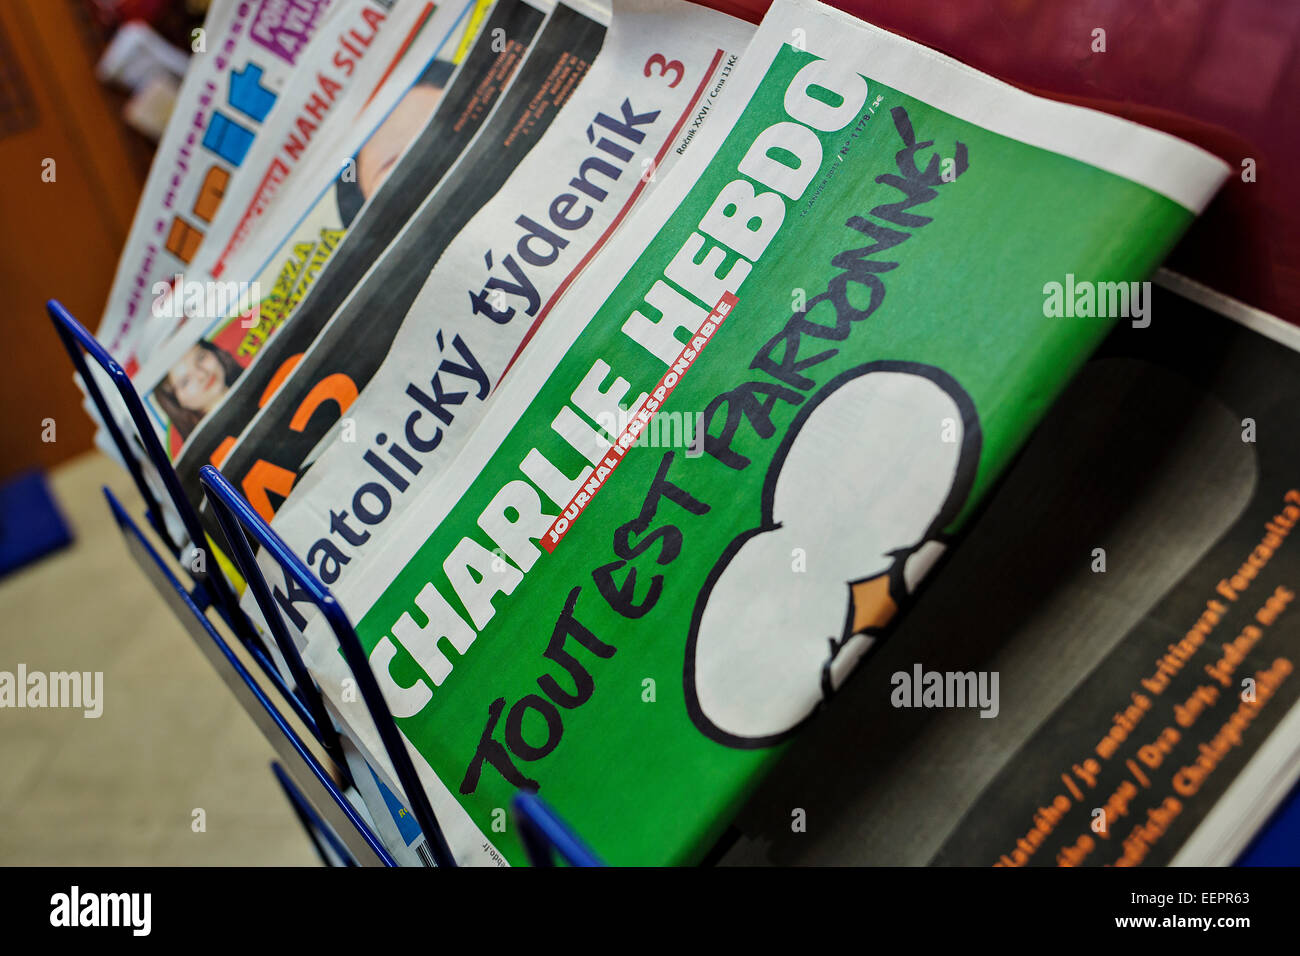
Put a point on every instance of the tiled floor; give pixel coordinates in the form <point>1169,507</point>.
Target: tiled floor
<point>122,789</point>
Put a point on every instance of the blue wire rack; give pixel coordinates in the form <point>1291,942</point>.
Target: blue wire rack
<point>312,769</point>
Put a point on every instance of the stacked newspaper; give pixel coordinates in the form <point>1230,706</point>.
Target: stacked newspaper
<point>624,372</point>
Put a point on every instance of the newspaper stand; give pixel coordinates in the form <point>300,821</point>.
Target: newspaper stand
<point>311,769</point>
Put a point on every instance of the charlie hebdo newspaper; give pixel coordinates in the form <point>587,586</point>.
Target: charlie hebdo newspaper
<point>468,100</point>
<point>529,109</point>
<point>664,63</point>
<point>867,228</point>
<point>173,383</point>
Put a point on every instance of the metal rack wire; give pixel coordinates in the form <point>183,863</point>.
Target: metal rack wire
<point>312,768</point>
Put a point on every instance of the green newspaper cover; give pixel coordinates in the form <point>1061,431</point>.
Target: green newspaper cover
<point>722,468</point>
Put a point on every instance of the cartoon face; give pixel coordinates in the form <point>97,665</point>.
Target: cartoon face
<point>198,380</point>
<point>875,466</point>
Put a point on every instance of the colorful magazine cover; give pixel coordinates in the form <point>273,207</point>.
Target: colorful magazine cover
<point>173,381</point>
<point>248,53</point>
<point>316,87</point>
<point>377,48</point>
<point>333,110</point>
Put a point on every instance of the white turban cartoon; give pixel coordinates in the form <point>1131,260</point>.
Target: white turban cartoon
<point>877,463</point>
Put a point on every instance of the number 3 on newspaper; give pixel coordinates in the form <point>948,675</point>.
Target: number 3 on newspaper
<point>665,67</point>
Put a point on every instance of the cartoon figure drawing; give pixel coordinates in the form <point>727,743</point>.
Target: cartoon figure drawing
<point>879,461</point>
